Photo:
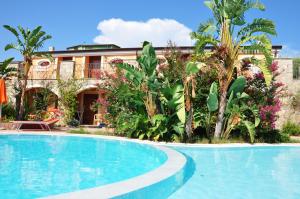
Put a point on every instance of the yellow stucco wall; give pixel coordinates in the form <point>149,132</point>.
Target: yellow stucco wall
<point>38,72</point>
<point>81,65</point>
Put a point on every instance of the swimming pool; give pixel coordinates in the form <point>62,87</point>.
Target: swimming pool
<point>242,172</point>
<point>38,165</point>
<point>82,167</point>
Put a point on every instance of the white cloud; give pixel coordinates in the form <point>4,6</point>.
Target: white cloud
<point>133,33</point>
<point>288,52</point>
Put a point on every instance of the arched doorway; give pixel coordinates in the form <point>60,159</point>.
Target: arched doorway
<point>39,99</point>
<point>86,99</point>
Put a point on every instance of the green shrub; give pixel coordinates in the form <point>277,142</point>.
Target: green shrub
<point>290,128</point>
<point>8,112</point>
<point>271,136</point>
<point>68,99</point>
<point>73,123</point>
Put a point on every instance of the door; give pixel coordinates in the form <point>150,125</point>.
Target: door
<point>94,66</point>
<point>88,114</point>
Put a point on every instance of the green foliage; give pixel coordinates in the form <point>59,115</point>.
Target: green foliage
<point>8,112</point>
<point>271,136</point>
<point>145,77</point>
<point>212,99</point>
<point>173,99</point>
<point>73,122</point>
<point>28,42</point>
<point>290,128</point>
<point>5,69</point>
<point>146,106</point>
<point>237,86</point>
<point>238,113</point>
<point>42,98</point>
<point>296,68</point>
<point>68,98</point>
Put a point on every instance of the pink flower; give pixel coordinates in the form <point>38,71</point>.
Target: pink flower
<point>268,113</point>
<point>274,67</point>
<point>260,76</point>
<point>278,84</point>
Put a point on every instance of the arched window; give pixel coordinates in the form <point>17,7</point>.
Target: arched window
<point>43,65</point>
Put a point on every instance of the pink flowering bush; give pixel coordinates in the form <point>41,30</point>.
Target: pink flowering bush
<point>268,113</point>
<point>267,98</point>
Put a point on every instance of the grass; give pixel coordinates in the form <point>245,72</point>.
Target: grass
<point>96,132</point>
<point>219,141</point>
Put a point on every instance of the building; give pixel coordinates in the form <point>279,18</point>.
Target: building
<point>82,62</point>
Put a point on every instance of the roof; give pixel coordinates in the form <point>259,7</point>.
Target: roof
<point>92,46</point>
<point>120,50</point>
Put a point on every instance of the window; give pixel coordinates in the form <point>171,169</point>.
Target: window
<point>296,69</point>
<point>67,58</point>
<point>43,65</point>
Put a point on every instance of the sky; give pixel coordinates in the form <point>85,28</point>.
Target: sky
<point>128,23</point>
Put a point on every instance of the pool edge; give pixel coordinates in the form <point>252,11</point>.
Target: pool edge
<point>173,165</point>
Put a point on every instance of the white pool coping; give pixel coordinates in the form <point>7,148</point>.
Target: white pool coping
<point>175,162</point>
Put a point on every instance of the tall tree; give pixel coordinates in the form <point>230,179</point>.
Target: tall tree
<point>27,44</point>
<point>228,33</point>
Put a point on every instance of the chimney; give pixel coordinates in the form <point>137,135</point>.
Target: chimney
<point>51,48</point>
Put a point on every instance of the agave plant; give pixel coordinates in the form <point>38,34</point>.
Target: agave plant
<point>27,44</point>
<point>229,33</point>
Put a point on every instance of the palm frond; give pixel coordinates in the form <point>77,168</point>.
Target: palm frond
<point>23,32</point>
<point>258,25</point>
<point>5,69</point>
<point>255,5</point>
<point>12,30</point>
<point>202,41</point>
<point>35,31</point>
<point>209,27</point>
<point>11,46</point>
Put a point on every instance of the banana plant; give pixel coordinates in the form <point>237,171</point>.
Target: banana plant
<point>229,34</point>
<point>236,109</point>
<point>240,114</point>
<point>212,105</point>
<point>144,77</point>
<point>189,83</point>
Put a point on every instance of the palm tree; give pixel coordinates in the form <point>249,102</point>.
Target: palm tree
<point>28,43</point>
<point>229,34</point>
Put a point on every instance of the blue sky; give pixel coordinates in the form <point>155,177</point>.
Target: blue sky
<point>75,22</point>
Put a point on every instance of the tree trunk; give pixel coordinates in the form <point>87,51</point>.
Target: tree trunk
<point>22,100</point>
<point>18,103</point>
<point>189,123</point>
<point>220,118</point>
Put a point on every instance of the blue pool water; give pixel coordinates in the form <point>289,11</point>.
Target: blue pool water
<point>37,166</point>
<point>235,173</point>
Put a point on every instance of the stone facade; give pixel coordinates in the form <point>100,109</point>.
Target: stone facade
<point>287,113</point>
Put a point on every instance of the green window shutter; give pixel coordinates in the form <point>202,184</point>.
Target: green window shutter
<point>296,68</point>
